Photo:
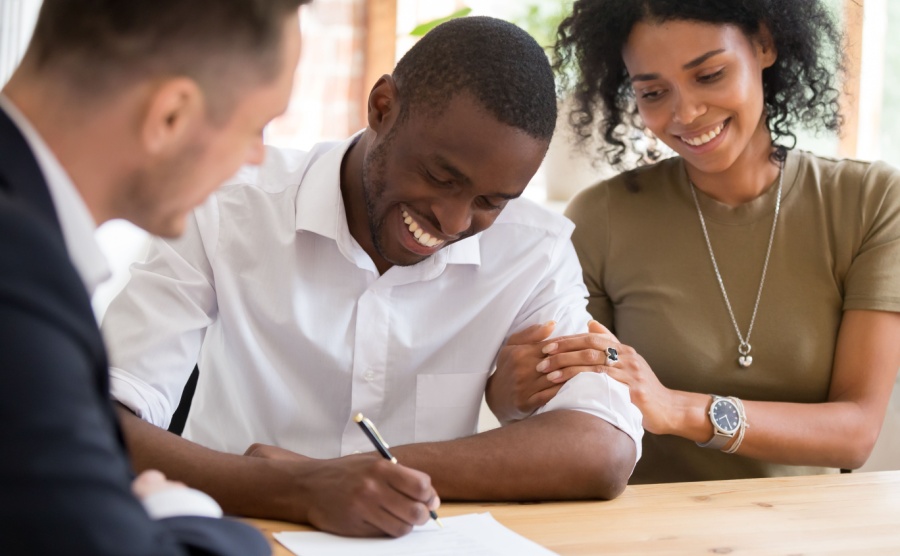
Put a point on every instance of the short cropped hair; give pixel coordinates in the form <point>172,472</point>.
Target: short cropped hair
<point>102,45</point>
<point>499,64</point>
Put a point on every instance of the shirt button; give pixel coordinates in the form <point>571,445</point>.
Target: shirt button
<point>369,375</point>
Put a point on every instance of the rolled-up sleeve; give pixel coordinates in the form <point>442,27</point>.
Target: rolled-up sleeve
<point>601,396</point>
<point>562,296</point>
<point>154,328</point>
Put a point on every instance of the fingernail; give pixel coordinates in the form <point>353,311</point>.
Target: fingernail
<point>552,377</point>
<point>550,348</point>
<point>542,366</point>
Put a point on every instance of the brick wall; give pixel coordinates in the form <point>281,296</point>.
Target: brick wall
<point>329,80</point>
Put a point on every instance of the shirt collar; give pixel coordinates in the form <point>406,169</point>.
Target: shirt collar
<point>320,209</point>
<point>76,222</point>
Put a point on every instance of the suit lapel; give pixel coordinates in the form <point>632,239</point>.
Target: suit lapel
<point>22,182</point>
<point>20,176</point>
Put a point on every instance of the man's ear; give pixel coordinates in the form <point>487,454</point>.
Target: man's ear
<point>765,46</point>
<point>384,104</point>
<point>173,108</point>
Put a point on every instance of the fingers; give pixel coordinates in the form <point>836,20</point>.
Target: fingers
<point>400,515</point>
<point>434,502</point>
<point>596,328</point>
<point>152,481</point>
<point>561,376</point>
<point>511,387</point>
<point>408,502</point>
<point>544,396</point>
<point>385,523</point>
<point>147,482</point>
<point>389,499</point>
<point>412,484</point>
<point>150,477</point>
<point>532,334</point>
<point>586,355</point>
<point>588,342</point>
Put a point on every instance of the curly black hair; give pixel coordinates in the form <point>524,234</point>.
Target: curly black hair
<point>798,89</point>
<point>501,65</point>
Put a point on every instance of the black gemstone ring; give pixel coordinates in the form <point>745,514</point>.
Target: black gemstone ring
<point>612,356</point>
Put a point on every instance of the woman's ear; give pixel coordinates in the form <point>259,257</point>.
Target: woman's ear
<point>765,46</point>
<point>384,104</point>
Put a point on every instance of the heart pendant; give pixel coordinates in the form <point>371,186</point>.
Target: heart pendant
<point>745,360</point>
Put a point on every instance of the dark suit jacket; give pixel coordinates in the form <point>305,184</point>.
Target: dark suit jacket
<point>64,475</point>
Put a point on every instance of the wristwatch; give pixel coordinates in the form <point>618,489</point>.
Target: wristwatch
<point>727,417</point>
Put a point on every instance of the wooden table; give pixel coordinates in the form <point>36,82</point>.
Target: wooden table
<point>826,514</point>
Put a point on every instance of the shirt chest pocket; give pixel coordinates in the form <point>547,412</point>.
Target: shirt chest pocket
<point>447,405</point>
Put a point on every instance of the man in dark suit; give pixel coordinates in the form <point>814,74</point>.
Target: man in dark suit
<point>134,110</point>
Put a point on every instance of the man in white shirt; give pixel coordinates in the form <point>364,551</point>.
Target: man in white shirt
<point>380,275</point>
<point>117,111</point>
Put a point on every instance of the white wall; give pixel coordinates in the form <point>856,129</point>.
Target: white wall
<point>17,19</point>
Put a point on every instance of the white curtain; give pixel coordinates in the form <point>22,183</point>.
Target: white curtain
<point>17,19</point>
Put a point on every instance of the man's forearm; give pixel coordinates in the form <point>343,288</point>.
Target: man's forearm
<point>360,495</point>
<point>556,455</point>
<point>253,487</point>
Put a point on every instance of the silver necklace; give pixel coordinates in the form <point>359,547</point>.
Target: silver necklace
<point>744,357</point>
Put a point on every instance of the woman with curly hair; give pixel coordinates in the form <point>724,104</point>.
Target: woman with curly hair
<point>749,292</point>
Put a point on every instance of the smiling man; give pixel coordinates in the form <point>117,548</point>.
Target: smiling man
<point>388,274</point>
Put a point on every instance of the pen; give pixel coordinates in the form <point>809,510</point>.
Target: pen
<point>382,448</point>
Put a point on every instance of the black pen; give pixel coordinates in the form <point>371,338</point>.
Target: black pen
<point>382,448</point>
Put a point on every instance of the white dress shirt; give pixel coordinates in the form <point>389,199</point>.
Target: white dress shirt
<point>296,332</point>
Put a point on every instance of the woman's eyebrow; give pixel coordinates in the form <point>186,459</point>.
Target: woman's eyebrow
<point>690,65</point>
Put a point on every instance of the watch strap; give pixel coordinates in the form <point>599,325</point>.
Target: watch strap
<point>720,439</point>
<point>717,442</point>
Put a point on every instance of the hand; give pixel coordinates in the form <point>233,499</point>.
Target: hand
<point>580,353</point>
<point>525,380</point>
<point>359,496</point>
<point>152,481</point>
<point>366,495</point>
<point>516,389</point>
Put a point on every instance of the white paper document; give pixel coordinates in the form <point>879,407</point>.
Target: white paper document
<point>471,534</point>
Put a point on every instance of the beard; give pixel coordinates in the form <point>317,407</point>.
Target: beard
<point>374,186</point>
<point>154,198</point>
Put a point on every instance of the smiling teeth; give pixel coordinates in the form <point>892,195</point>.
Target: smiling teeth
<point>705,138</point>
<point>422,237</point>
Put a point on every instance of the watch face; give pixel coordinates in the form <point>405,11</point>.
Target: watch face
<point>725,415</point>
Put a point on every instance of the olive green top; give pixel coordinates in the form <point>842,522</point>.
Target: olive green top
<point>650,278</point>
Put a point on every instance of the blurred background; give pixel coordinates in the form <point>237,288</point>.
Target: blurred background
<point>348,44</point>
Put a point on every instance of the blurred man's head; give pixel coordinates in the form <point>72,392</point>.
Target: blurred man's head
<point>178,92</point>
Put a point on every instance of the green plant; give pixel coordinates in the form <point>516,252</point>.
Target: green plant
<point>423,28</point>
<point>540,19</point>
